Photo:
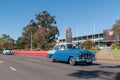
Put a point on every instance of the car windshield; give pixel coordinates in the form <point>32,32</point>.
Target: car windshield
<point>70,46</point>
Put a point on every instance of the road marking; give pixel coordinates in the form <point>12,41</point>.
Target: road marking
<point>12,68</point>
<point>1,62</point>
<point>33,60</point>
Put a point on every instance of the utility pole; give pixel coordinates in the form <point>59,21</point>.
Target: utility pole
<point>93,36</point>
<point>117,38</point>
<point>94,33</point>
<point>31,41</point>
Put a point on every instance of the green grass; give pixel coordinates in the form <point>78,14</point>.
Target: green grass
<point>116,53</point>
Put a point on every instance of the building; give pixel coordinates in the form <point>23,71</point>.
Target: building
<point>101,39</point>
<point>97,38</point>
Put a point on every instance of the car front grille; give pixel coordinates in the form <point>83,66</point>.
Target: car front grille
<point>87,55</point>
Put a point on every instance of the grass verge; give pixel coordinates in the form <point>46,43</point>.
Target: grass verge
<point>116,53</point>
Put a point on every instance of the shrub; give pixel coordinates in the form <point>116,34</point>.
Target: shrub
<point>95,48</point>
<point>115,46</point>
<point>87,45</point>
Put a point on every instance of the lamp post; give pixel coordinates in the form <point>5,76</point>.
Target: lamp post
<point>117,39</point>
<point>93,36</point>
<point>31,41</point>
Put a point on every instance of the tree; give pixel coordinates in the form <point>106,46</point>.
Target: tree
<point>20,43</point>
<point>29,29</point>
<point>116,26</point>
<point>42,31</point>
<point>6,42</point>
<point>24,42</point>
<point>47,31</point>
<point>116,29</point>
<point>44,19</point>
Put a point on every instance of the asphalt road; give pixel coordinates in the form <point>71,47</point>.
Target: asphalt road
<point>20,67</point>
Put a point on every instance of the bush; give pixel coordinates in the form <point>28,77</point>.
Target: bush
<point>115,46</point>
<point>116,53</point>
<point>87,45</point>
<point>95,48</point>
<point>118,46</point>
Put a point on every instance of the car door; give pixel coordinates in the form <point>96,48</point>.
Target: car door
<point>57,53</point>
<point>61,54</point>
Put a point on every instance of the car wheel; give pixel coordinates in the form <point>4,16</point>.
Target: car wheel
<point>52,59</point>
<point>72,61</point>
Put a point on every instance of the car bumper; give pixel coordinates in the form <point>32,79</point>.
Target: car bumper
<point>85,59</point>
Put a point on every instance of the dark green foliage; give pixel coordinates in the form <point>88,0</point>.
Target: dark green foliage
<point>47,30</point>
<point>116,26</point>
<point>115,46</point>
<point>24,42</point>
<point>87,45</point>
<point>90,46</point>
<point>42,31</point>
<point>6,42</point>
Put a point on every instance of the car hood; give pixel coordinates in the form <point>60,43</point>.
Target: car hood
<point>82,51</point>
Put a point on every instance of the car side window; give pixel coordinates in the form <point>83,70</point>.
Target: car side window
<point>57,47</point>
<point>69,46</point>
<point>62,47</point>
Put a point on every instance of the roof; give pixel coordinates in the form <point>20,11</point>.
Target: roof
<point>63,43</point>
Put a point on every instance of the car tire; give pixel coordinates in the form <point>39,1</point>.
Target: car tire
<point>72,61</point>
<point>52,59</point>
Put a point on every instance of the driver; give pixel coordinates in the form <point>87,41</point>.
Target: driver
<point>62,47</point>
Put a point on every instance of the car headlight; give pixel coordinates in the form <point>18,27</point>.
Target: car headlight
<point>80,54</point>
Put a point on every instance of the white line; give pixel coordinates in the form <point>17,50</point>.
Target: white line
<point>12,68</point>
<point>33,60</point>
<point>1,62</point>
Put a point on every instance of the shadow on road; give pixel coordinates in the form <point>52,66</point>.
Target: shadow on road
<point>80,64</point>
<point>117,76</point>
<point>95,74</point>
<point>84,64</point>
<point>101,72</point>
<point>111,67</point>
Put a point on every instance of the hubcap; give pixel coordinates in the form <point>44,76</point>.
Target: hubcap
<point>72,61</point>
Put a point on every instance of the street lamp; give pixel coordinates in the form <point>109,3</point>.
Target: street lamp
<point>31,41</point>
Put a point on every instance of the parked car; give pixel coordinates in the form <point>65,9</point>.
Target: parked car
<point>70,54</point>
<point>7,52</point>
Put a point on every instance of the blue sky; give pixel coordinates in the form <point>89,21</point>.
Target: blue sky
<point>81,15</point>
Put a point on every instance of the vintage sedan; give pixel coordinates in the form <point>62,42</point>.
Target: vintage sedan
<point>67,52</point>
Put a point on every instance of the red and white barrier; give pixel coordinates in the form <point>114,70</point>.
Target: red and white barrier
<point>34,53</point>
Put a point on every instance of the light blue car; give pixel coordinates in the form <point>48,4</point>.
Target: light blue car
<point>67,52</point>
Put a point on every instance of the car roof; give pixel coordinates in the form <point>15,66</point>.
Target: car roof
<point>63,43</point>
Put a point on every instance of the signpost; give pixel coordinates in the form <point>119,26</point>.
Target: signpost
<point>110,35</point>
<point>68,35</point>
